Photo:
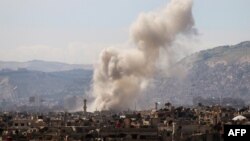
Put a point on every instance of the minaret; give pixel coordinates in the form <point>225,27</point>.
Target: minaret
<point>84,105</point>
<point>156,106</point>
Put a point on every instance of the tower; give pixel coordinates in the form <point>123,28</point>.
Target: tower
<point>156,106</point>
<point>84,105</point>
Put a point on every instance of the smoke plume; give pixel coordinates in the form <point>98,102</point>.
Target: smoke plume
<point>121,75</point>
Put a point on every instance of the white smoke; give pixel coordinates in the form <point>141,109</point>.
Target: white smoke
<point>121,75</point>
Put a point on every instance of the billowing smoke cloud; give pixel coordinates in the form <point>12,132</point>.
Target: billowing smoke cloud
<point>121,75</point>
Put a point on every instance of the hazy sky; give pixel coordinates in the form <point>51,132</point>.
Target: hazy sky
<point>75,31</point>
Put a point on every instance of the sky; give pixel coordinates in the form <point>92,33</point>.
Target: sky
<point>75,31</point>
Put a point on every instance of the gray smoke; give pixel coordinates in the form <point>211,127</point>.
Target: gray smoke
<point>121,75</point>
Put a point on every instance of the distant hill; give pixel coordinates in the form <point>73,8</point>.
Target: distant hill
<point>18,86</point>
<point>44,66</point>
<point>47,83</point>
<point>216,76</point>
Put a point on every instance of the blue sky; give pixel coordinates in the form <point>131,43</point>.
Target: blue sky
<point>75,31</point>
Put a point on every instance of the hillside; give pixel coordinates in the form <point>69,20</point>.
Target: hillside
<point>216,76</point>
<point>17,87</point>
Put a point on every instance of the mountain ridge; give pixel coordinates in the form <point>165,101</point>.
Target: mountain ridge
<point>40,65</point>
<point>219,73</point>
